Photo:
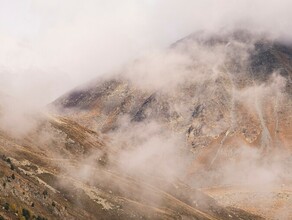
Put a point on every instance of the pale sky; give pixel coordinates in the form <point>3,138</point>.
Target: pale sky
<point>49,46</point>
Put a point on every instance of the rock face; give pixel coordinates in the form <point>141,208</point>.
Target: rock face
<point>209,114</point>
<point>244,90</point>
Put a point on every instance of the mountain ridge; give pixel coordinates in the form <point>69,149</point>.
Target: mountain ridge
<point>201,130</point>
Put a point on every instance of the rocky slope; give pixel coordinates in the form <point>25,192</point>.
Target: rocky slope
<point>199,131</point>
<point>235,94</point>
<point>247,93</point>
<point>41,179</point>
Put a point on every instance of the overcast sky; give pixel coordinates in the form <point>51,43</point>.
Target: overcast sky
<point>49,46</point>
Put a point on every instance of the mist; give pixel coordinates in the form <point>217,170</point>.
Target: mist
<point>49,48</point>
<point>158,148</point>
<point>147,106</point>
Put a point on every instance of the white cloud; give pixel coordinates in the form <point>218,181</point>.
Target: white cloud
<point>60,44</point>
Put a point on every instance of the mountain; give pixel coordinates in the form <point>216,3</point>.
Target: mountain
<point>201,130</point>
<point>215,94</point>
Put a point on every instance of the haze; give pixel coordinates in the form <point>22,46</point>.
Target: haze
<point>49,47</point>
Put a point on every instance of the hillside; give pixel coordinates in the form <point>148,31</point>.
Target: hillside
<point>201,130</point>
